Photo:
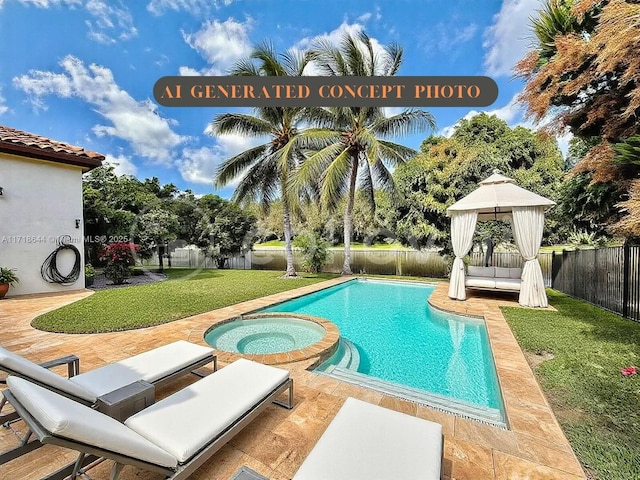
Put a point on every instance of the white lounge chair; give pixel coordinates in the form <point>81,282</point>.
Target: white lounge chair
<point>155,366</point>
<point>173,437</point>
<point>368,442</point>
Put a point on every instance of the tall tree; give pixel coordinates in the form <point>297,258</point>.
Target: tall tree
<point>265,170</point>
<point>350,143</point>
<point>447,169</point>
<point>583,75</point>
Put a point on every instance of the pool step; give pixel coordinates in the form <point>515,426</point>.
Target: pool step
<point>346,356</point>
<point>351,358</point>
<point>488,415</point>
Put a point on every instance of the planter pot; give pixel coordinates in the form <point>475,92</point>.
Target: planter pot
<point>4,288</point>
<point>88,281</point>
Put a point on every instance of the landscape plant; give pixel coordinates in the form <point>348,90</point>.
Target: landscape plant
<point>120,257</point>
<point>314,249</point>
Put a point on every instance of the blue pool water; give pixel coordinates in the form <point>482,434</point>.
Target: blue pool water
<point>401,339</point>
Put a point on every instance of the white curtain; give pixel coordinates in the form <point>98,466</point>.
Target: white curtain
<point>528,223</point>
<point>463,224</point>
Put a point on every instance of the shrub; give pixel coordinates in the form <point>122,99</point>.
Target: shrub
<point>315,251</point>
<point>120,258</point>
<point>8,275</point>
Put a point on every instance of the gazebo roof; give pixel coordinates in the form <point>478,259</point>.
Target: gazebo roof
<point>496,196</point>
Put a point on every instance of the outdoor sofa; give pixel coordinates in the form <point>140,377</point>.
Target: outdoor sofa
<point>156,367</point>
<point>494,278</point>
<point>173,437</point>
<point>369,442</point>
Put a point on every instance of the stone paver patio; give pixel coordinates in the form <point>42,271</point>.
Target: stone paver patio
<point>276,443</point>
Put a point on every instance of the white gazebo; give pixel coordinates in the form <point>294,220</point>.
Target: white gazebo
<point>498,197</point>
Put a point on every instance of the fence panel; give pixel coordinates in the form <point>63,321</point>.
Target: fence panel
<point>374,262</point>
<point>606,277</point>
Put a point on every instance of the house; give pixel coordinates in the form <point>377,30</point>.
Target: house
<point>40,209</point>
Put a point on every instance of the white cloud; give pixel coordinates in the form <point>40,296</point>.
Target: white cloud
<point>364,17</point>
<point>49,3</point>
<point>221,44</point>
<point>109,19</point>
<point>511,111</point>
<point>198,165</point>
<point>335,37</point>
<point>188,72</point>
<point>137,122</point>
<point>122,165</point>
<point>447,37</point>
<point>3,105</point>
<point>194,7</point>
<point>507,39</point>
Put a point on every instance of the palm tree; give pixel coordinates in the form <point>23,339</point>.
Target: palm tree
<point>265,169</point>
<point>349,144</point>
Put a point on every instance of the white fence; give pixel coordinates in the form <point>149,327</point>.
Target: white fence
<point>377,262</point>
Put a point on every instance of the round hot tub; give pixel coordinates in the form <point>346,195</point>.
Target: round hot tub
<point>270,334</point>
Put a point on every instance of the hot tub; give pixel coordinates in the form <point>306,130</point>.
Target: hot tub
<point>266,334</point>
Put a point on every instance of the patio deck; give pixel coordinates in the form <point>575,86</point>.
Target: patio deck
<point>276,443</point>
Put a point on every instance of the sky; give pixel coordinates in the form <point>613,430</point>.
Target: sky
<point>82,71</point>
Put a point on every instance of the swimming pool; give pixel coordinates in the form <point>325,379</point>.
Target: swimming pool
<point>401,339</point>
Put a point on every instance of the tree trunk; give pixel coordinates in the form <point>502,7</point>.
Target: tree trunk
<point>160,254</point>
<point>288,249</point>
<point>348,219</point>
<point>488,259</point>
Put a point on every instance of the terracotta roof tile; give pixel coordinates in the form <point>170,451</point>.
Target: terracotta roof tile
<point>31,140</point>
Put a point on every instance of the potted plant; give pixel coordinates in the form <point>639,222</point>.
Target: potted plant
<point>89,275</point>
<point>7,278</point>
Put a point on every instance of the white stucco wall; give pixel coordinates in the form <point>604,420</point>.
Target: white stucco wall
<point>41,201</point>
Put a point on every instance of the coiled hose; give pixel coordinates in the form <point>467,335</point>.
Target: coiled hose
<point>49,269</point>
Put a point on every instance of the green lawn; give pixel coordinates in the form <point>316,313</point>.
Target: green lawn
<point>354,245</point>
<point>186,293</point>
<point>598,408</point>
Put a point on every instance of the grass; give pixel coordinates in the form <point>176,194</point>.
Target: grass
<point>598,408</point>
<point>354,245</point>
<point>187,292</point>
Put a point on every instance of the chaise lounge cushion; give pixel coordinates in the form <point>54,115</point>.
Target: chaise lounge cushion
<point>71,420</point>
<point>368,442</point>
<point>177,423</point>
<point>149,366</point>
<point>43,375</point>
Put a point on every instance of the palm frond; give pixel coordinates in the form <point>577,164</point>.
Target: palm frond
<point>405,123</point>
<point>244,68</point>
<point>355,60</point>
<point>317,138</point>
<point>394,59</point>
<point>260,183</point>
<point>335,180</point>
<point>234,166</point>
<point>383,177</point>
<point>269,64</point>
<point>239,123</point>
<point>394,153</point>
<point>313,167</point>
